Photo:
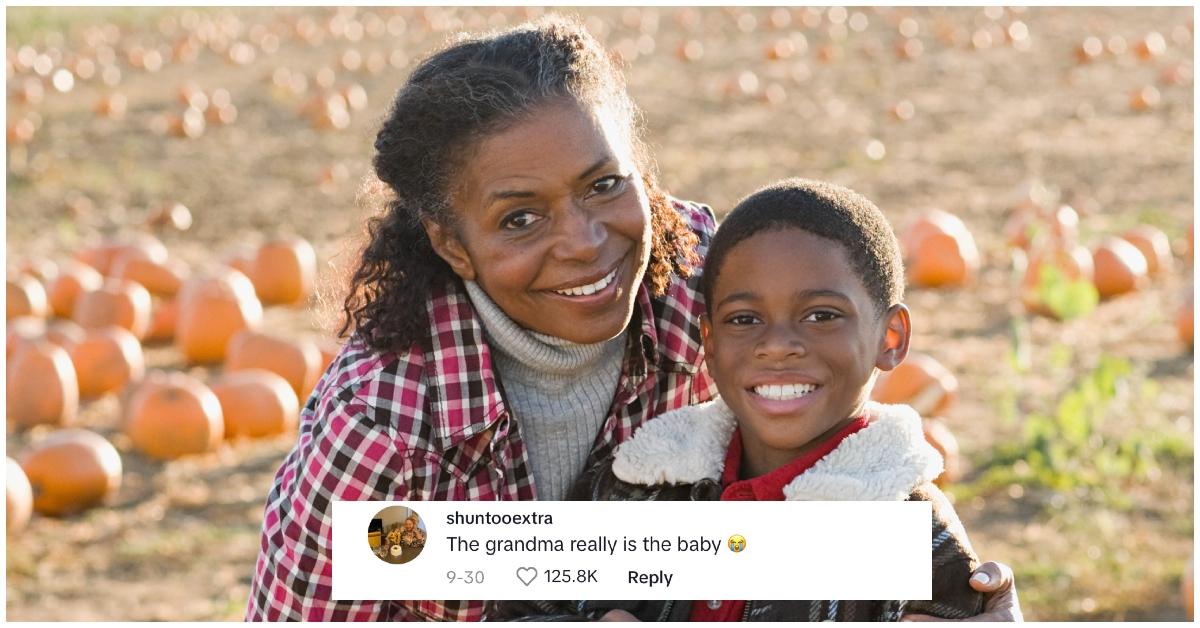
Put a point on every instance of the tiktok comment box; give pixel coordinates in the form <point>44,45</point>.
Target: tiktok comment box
<point>631,550</point>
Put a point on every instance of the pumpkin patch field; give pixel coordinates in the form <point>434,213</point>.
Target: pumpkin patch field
<point>187,190</point>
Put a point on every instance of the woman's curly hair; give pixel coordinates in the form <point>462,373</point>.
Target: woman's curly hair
<point>474,88</point>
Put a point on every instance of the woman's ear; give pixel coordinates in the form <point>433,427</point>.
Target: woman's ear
<point>448,247</point>
<point>897,331</point>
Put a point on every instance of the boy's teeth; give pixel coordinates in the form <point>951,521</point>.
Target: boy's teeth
<point>784,391</point>
<point>591,288</point>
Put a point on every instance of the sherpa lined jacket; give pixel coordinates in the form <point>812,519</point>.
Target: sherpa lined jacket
<point>680,456</point>
<point>431,424</point>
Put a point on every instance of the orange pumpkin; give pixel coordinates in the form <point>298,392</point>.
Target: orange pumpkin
<point>296,361</point>
<point>106,360</point>
<point>164,314</point>
<point>159,278</point>
<point>172,415</point>
<point>1073,261</point>
<point>42,388</point>
<point>213,309</point>
<point>117,302</point>
<point>64,332</point>
<point>1119,267</point>
<point>1186,589</point>
<point>241,259</point>
<point>919,381</point>
<point>101,255</point>
<point>73,278</point>
<point>39,268</point>
<point>71,470</point>
<point>939,251</point>
<point>18,497</point>
<point>942,439</point>
<point>22,331</point>
<point>1154,245</point>
<point>256,403</point>
<point>1185,320</point>
<point>284,270</point>
<point>25,297</point>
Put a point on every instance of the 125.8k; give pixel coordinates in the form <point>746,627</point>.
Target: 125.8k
<point>466,577</point>
<point>566,575</point>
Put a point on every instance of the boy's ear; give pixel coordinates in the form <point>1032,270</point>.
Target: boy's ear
<point>706,333</point>
<point>448,247</point>
<point>897,332</point>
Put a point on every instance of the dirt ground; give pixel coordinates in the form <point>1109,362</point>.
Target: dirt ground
<point>998,98</point>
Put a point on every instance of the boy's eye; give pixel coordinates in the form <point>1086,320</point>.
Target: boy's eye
<point>519,220</point>
<point>611,183</point>
<point>822,316</point>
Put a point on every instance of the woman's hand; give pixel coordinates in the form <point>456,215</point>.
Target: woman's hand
<point>1000,604</point>
<point>618,615</point>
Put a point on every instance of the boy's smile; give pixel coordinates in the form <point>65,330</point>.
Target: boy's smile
<point>793,342</point>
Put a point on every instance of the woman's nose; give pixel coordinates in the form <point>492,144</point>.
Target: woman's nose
<point>779,342</point>
<point>580,235</point>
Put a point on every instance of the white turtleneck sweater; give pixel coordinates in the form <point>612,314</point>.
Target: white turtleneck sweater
<point>559,392</point>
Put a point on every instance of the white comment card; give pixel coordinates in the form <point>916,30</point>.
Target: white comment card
<point>632,550</point>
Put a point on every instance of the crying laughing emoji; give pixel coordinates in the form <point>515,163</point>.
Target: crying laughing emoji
<point>737,543</point>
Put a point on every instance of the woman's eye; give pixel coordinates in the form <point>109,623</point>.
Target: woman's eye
<point>607,184</point>
<point>518,220</point>
<point>822,316</point>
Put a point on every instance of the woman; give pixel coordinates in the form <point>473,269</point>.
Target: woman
<point>526,300</point>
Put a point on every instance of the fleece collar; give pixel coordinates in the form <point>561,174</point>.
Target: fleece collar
<point>884,461</point>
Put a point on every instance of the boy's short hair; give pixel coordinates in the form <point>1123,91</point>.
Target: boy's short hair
<point>822,209</point>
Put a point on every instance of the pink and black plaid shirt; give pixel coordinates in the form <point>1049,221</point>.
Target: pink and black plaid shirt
<point>430,424</point>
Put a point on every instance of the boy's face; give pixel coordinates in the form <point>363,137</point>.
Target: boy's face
<point>794,340</point>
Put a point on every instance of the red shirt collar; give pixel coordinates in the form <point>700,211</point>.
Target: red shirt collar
<point>769,487</point>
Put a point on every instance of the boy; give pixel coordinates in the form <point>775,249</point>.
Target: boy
<point>803,286</point>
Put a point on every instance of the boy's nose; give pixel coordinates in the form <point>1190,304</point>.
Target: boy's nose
<point>779,342</point>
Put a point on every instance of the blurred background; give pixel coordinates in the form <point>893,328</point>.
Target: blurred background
<point>1037,164</point>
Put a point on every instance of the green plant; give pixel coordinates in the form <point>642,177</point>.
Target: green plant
<point>1065,297</point>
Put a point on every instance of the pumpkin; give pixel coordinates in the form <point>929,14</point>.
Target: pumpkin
<point>18,497</point>
<point>1074,262</point>
<point>39,268</point>
<point>213,309</point>
<point>296,361</point>
<point>1185,320</point>
<point>25,297</point>
<point>329,351</point>
<point>71,470</point>
<point>919,381</point>
<point>106,360</point>
<point>164,314</point>
<point>939,251</point>
<point>72,279</point>
<point>117,302</point>
<point>1154,246</point>
<point>1119,267</point>
<point>159,278</point>
<point>172,415</point>
<point>1186,588</point>
<point>942,439</point>
<point>42,389</point>
<point>65,332</point>
<point>102,255</point>
<point>241,259</point>
<point>284,270</point>
<point>256,403</point>
<point>22,331</point>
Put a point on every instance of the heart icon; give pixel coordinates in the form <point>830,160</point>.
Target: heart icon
<point>526,574</point>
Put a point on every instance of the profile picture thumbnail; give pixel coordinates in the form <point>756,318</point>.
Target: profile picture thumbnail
<point>396,534</point>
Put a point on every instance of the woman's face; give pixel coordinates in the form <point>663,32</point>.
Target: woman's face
<point>553,222</point>
<point>409,524</point>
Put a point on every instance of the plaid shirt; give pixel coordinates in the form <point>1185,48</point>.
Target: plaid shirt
<point>431,424</point>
